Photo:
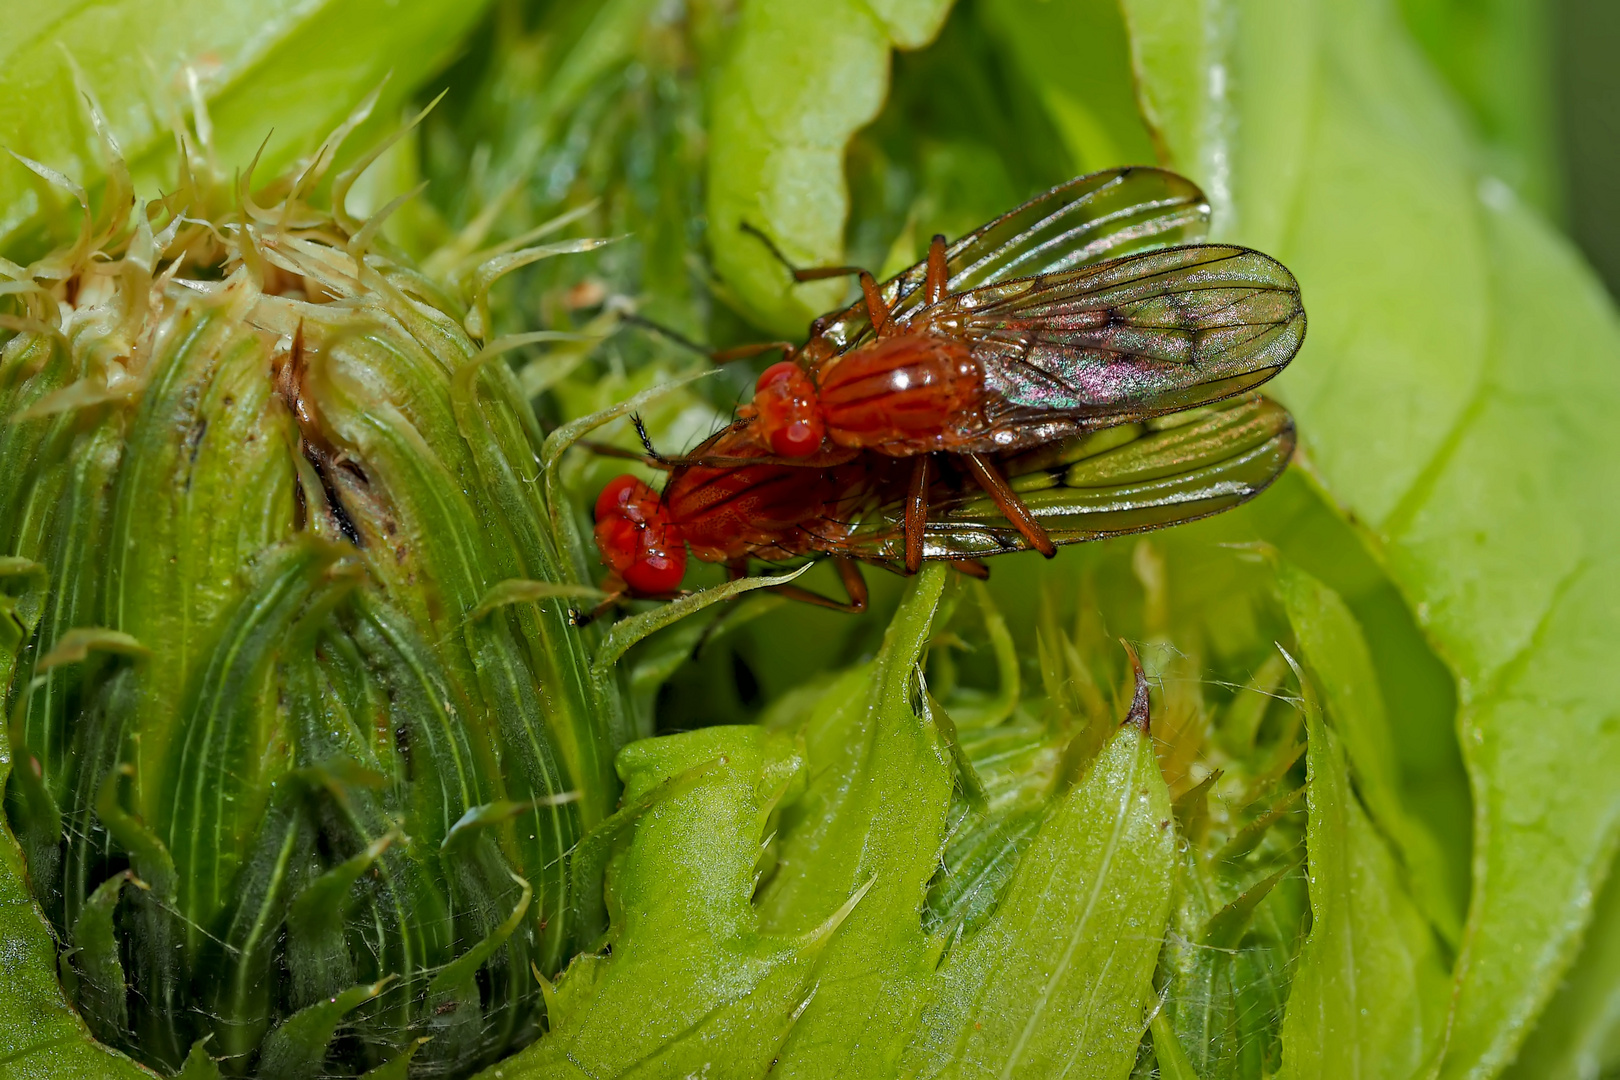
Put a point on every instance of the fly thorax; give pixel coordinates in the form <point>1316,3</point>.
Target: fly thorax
<point>908,387</point>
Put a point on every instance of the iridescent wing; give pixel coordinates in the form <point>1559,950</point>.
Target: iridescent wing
<point>1140,336</point>
<point>1084,221</point>
<point>1119,480</point>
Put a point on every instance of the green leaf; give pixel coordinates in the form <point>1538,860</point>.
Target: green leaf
<point>203,488</point>
<point>872,817</point>
<point>324,903</point>
<point>219,752</point>
<point>297,1047</point>
<point>1302,523</point>
<point>1497,56</point>
<point>1056,982</point>
<point>1167,1051</point>
<point>290,707</point>
<point>626,632</point>
<point>199,1064</point>
<point>260,66</point>
<point>692,980</point>
<point>396,1068</point>
<point>799,81</point>
<point>17,566</point>
<point>1077,55</point>
<point>19,606</point>
<point>41,1034</point>
<point>75,646</point>
<point>437,545</point>
<point>460,971</point>
<point>1225,928</point>
<point>1491,482</point>
<point>1336,655</point>
<point>701,972</point>
<point>522,591</point>
<point>96,964</point>
<point>1369,994</point>
<point>1577,1036</point>
<point>497,813</point>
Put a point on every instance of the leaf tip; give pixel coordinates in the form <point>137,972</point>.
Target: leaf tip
<point>1138,712</point>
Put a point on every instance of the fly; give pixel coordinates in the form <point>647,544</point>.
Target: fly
<point>1088,307</point>
<point>860,508</point>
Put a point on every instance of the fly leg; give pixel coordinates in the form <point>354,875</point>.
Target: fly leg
<point>916,513</point>
<point>938,273</point>
<point>748,352</point>
<point>849,573</point>
<point>876,309</point>
<point>1009,503</point>
<point>800,274</point>
<point>602,449</point>
<point>973,568</point>
<point>585,618</point>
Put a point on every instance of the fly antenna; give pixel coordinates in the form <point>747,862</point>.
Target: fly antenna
<point>646,440</point>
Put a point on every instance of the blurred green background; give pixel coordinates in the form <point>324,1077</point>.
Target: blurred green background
<point>1586,80</point>
<point>1550,113</point>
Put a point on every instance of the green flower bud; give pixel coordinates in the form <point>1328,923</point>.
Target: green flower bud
<point>303,739</point>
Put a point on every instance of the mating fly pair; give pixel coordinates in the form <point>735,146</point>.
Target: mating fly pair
<point>1052,377</point>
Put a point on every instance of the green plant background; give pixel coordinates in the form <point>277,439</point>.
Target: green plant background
<point>1458,504</point>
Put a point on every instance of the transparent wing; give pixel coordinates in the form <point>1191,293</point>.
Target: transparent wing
<point>1084,221</point>
<point>1135,337</point>
<point>1119,480</point>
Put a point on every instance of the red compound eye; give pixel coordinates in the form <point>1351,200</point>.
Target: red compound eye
<point>637,540</point>
<point>800,438</point>
<point>788,410</point>
<point>622,495</point>
<point>658,568</point>
<point>618,539</point>
<point>783,369</point>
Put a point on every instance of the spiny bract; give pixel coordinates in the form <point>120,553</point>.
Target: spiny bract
<point>297,770</point>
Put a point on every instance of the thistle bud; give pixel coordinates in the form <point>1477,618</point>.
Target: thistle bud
<point>289,785</point>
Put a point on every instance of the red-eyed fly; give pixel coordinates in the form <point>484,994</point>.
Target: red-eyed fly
<point>857,507</point>
<point>1088,307</point>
